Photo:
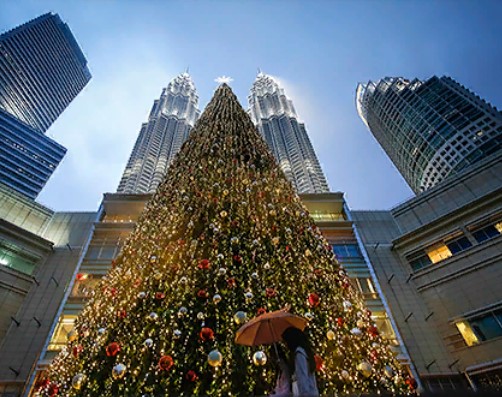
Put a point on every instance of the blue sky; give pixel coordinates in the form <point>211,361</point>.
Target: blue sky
<point>319,49</point>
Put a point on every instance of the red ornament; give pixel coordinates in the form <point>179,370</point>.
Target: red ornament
<point>181,242</point>
<point>412,383</point>
<point>81,276</point>
<point>53,389</point>
<point>204,264</point>
<point>373,356</point>
<point>122,313</point>
<point>314,299</point>
<point>160,295</point>
<point>137,283</point>
<point>206,334</point>
<point>231,282</point>
<point>76,350</point>
<point>319,363</point>
<point>112,349</point>
<point>42,383</point>
<point>202,294</point>
<point>339,321</point>
<point>113,291</point>
<point>270,292</point>
<point>373,331</point>
<point>191,376</point>
<point>237,258</point>
<point>261,311</point>
<point>318,271</point>
<point>166,362</point>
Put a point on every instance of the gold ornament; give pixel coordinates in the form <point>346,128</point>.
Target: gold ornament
<point>223,214</point>
<point>77,381</point>
<point>214,358</point>
<point>330,335</point>
<point>118,371</point>
<point>365,368</point>
<point>259,358</point>
<point>240,317</point>
<point>275,240</point>
<point>72,335</point>
<point>200,316</point>
<point>360,323</point>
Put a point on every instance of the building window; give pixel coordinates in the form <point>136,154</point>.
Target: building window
<point>487,232</point>
<point>347,251</point>
<point>438,252</point>
<point>366,286</point>
<point>420,262</point>
<point>481,328</point>
<point>16,260</point>
<point>63,333</point>
<point>458,245</point>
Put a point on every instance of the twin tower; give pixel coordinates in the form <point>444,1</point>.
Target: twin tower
<point>174,114</point>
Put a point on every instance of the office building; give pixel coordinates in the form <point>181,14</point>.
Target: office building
<point>42,69</point>
<point>172,117</point>
<point>430,129</point>
<point>438,258</point>
<point>275,116</point>
<point>39,252</point>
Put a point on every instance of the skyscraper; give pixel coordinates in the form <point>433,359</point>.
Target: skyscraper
<point>430,129</point>
<point>275,116</point>
<point>41,70</point>
<point>172,117</point>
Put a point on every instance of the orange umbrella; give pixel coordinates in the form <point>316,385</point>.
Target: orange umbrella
<point>268,328</point>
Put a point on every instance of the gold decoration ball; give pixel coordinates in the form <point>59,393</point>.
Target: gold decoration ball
<point>200,316</point>
<point>214,358</point>
<point>330,335</point>
<point>240,317</point>
<point>77,381</point>
<point>360,323</point>
<point>389,372</point>
<point>259,358</point>
<point>365,368</point>
<point>118,371</point>
<point>217,298</point>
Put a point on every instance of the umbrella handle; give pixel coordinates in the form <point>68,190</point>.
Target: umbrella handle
<point>273,336</point>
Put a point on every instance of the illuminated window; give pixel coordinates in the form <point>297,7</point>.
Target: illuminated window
<point>481,328</point>
<point>467,333</point>
<point>366,286</point>
<point>438,252</point>
<point>62,333</point>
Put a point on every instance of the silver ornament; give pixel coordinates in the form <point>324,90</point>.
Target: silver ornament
<point>365,368</point>
<point>217,298</point>
<point>214,358</point>
<point>259,358</point>
<point>148,342</point>
<point>309,316</point>
<point>200,316</point>
<point>182,312</point>
<point>153,316</point>
<point>183,280</point>
<point>177,333</point>
<point>101,331</point>
<point>248,295</point>
<point>240,317</point>
<point>222,271</point>
<point>347,305</point>
<point>118,371</point>
<point>142,295</point>
<point>254,275</point>
<point>77,381</point>
<point>388,371</point>
<point>355,331</point>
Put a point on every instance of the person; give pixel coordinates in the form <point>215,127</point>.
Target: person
<point>302,360</point>
<point>283,383</point>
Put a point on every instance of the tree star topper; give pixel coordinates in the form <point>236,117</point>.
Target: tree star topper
<point>223,79</point>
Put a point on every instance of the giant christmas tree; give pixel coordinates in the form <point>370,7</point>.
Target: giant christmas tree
<point>225,238</point>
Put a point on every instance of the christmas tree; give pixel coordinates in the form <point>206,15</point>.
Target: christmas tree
<point>225,238</point>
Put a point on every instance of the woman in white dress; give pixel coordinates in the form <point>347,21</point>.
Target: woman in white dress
<point>302,360</point>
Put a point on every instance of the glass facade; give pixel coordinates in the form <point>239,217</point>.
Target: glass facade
<point>430,129</point>
<point>42,69</point>
<point>27,157</point>
<point>172,117</point>
<point>275,116</point>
